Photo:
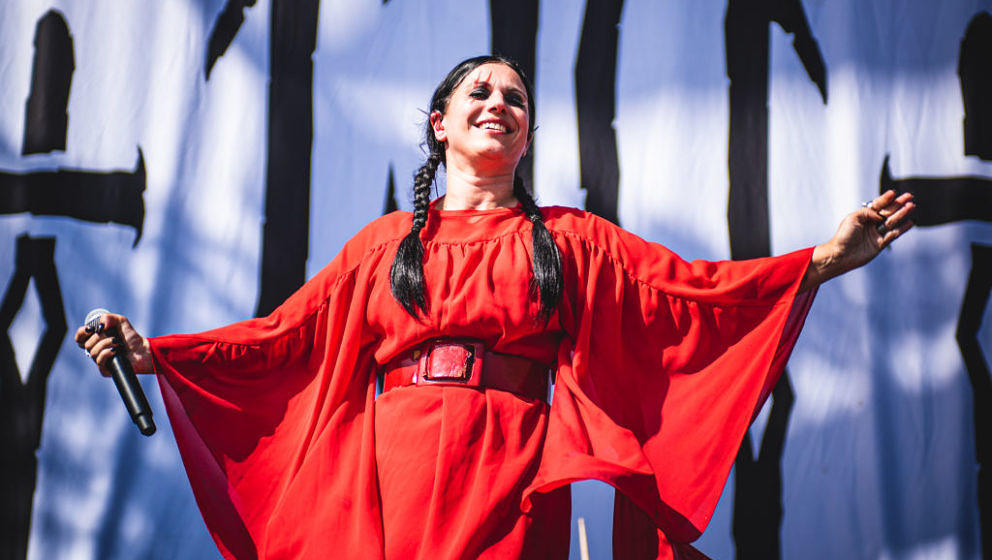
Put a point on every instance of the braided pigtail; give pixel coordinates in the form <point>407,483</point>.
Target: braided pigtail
<point>406,277</point>
<point>547,280</point>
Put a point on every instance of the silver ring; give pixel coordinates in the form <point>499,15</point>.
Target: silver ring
<point>868,204</point>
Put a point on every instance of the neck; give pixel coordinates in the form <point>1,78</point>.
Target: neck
<point>472,191</point>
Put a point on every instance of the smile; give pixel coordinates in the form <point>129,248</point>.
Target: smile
<point>493,125</point>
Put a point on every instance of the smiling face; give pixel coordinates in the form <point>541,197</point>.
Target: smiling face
<point>486,124</point>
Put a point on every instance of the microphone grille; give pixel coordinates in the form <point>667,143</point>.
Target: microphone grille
<point>93,317</point>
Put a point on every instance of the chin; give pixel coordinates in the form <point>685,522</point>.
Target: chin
<point>500,156</point>
<point>499,150</point>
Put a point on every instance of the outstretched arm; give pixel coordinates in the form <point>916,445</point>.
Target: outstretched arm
<point>861,236</point>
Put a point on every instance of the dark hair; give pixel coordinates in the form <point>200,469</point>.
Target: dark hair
<point>407,273</point>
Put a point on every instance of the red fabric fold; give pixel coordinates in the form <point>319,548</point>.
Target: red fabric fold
<point>661,365</point>
<point>666,365</point>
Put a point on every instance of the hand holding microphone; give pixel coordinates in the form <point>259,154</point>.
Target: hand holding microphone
<point>111,340</point>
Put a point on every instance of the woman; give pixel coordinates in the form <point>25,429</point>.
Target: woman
<point>660,365</point>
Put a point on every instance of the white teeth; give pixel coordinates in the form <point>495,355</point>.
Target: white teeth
<point>493,126</point>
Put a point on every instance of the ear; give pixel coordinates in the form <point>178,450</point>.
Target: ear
<point>437,123</point>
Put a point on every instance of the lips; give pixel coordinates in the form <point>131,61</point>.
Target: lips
<point>494,125</point>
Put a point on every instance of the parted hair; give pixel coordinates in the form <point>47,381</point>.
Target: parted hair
<point>407,273</point>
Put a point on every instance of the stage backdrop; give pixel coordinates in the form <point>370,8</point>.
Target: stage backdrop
<point>191,162</point>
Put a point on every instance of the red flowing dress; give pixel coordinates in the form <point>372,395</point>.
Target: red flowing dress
<point>661,365</point>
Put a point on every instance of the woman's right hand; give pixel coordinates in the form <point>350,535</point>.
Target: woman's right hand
<point>115,335</point>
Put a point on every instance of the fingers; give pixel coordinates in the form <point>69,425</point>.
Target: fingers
<point>109,324</point>
<point>888,203</point>
<point>882,200</point>
<point>894,234</point>
<point>86,331</point>
<point>114,322</point>
<point>890,212</point>
<point>99,347</point>
<point>97,343</point>
<point>82,334</point>
<point>899,202</point>
<point>895,214</point>
<point>904,197</point>
<point>103,351</point>
<point>101,341</point>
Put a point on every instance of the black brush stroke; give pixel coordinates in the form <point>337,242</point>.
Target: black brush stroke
<point>758,509</point>
<point>975,73</point>
<point>513,27</point>
<point>390,205</point>
<point>973,307</point>
<point>224,31</point>
<point>46,120</point>
<point>22,404</point>
<point>91,196</point>
<point>942,200</point>
<point>286,233</point>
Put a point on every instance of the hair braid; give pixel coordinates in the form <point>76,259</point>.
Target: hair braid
<point>406,277</point>
<point>547,280</point>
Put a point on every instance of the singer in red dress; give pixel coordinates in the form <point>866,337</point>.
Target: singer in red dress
<point>659,366</point>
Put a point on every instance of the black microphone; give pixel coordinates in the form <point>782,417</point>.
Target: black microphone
<point>127,382</point>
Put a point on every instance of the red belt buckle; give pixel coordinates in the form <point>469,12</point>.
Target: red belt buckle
<point>452,362</point>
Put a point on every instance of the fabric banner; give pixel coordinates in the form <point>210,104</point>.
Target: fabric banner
<point>189,163</point>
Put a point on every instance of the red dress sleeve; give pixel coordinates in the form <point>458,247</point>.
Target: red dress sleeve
<point>273,417</point>
<point>664,365</point>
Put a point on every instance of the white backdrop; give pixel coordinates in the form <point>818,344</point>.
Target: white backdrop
<point>879,460</point>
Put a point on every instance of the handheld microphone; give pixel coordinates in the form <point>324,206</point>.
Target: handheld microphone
<point>126,382</point>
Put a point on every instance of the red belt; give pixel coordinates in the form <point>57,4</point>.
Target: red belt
<point>466,363</point>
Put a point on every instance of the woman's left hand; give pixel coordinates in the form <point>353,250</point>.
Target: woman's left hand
<point>861,236</point>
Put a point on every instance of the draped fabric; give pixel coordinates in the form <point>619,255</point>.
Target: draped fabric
<point>660,366</point>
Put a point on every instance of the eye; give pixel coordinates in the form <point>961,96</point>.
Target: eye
<point>479,93</point>
<point>515,99</point>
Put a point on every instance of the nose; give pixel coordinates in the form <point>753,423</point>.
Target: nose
<point>497,103</point>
